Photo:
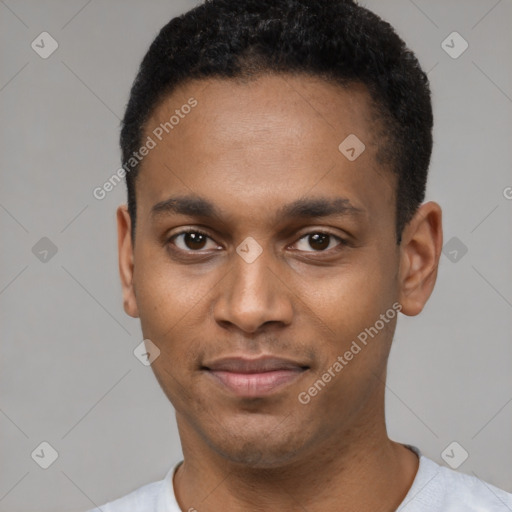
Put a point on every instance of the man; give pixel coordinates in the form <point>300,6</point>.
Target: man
<point>276,157</point>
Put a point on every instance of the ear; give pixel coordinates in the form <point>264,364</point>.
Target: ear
<point>126,260</point>
<point>420,250</point>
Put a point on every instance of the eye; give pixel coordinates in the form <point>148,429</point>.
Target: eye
<point>192,241</point>
<point>319,241</point>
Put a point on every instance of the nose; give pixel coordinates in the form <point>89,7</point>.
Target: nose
<point>253,295</point>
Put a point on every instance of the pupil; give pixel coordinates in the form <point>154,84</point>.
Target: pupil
<point>319,240</point>
<point>194,240</point>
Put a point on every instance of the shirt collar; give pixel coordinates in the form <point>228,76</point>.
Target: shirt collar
<point>167,499</point>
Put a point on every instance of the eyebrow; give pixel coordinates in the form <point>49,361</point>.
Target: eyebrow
<point>196,206</point>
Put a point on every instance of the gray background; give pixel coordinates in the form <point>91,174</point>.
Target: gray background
<point>68,374</point>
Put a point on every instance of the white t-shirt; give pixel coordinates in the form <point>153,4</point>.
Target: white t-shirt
<point>435,489</point>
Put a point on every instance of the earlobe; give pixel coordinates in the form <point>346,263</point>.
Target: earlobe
<point>126,260</point>
<point>420,250</point>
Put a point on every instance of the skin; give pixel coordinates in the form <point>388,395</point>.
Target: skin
<point>250,148</point>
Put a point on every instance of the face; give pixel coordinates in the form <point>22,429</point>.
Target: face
<point>262,253</point>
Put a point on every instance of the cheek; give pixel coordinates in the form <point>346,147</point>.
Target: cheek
<point>166,295</point>
<point>173,308</point>
<point>350,305</point>
<point>352,298</point>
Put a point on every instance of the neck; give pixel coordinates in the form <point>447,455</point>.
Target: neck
<point>358,469</point>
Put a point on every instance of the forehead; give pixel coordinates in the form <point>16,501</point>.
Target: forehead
<point>295,107</point>
<point>264,141</point>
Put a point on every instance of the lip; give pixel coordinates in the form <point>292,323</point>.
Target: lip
<point>252,378</point>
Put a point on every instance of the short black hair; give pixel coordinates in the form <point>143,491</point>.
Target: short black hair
<point>334,39</point>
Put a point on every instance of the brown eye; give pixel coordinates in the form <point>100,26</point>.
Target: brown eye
<point>318,241</point>
<point>194,240</point>
<point>191,241</point>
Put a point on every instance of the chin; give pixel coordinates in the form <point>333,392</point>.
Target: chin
<point>260,449</point>
<point>257,456</point>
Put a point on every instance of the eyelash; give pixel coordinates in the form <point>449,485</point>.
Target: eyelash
<point>342,242</point>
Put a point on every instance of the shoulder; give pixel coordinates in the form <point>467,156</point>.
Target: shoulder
<point>437,488</point>
<point>143,499</point>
